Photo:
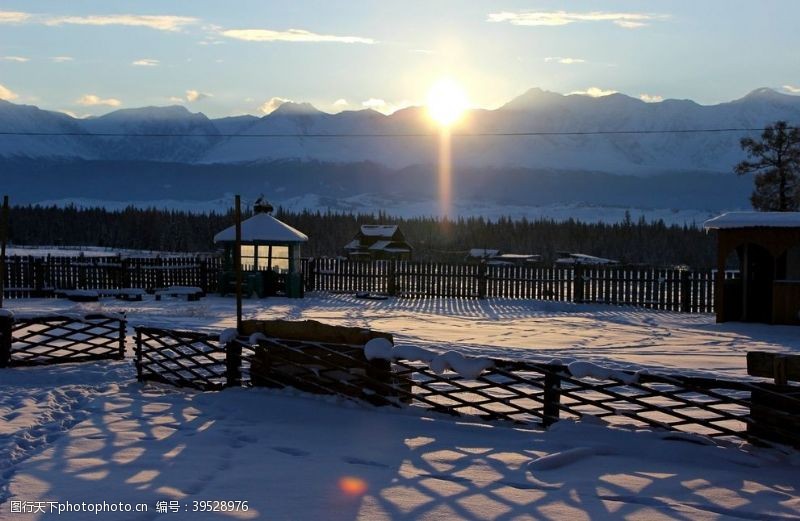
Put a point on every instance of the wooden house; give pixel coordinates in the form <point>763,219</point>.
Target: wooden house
<point>379,241</point>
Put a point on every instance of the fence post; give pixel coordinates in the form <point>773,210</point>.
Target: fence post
<point>6,330</point>
<point>483,275</point>
<point>311,282</point>
<point>233,363</point>
<point>38,277</point>
<point>122,327</point>
<point>686,288</point>
<point>138,355</point>
<point>577,283</point>
<point>391,281</point>
<point>552,398</point>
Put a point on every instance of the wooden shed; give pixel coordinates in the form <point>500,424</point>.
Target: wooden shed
<point>379,241</point>
<point>270,254</point>
<point>761,253</point>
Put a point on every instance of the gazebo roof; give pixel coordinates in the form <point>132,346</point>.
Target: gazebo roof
<point>262,227</point>
<point>754,220</point>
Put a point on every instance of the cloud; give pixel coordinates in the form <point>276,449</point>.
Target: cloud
<point>13,17</point>
<point>61,59</point>
<point>564,60</point>
<point>340,103</point>
<point>158,22</point>
<point>651,98</point>
<point>7,94</point>
<point>272,104</point>
<point>18,59</point>
<point>558,18</point>
<point>194,95</point>
<point>291,35</point>
<point>90,100</point>
<point>146,62</point>
<point>792,89</point>
<point>594,92</point>
<point>385,107</point>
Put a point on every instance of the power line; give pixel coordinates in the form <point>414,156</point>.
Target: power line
<point>389,135</point>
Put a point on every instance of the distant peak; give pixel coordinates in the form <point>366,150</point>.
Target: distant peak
<point>765,93</point>
<point>531,98</point>
<point>290,108</point>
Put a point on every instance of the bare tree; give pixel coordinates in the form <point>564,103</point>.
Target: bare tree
<point>775,161</point>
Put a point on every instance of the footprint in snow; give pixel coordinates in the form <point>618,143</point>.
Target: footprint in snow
<point>291,451</point>
<point>358,461</point>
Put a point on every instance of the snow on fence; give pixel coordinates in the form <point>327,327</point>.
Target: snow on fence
<point>37,276</point>
<point>488,388</point>
<point>54,339</point>
<point>657,288</point>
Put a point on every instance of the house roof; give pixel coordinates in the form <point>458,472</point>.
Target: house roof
<point>262,227</point>
<point>754,220</point>
<point>378,230</point>
<point>483,252</point>
<point>391,246</point>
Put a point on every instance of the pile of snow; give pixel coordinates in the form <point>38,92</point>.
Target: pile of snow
<point>469,367</point>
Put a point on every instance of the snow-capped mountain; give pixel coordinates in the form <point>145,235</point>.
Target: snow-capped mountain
<point>240,139</point>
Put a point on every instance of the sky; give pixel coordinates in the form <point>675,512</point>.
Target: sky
<point>89,57</point>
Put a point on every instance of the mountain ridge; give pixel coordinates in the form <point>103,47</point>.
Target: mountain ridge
<point>599,144</point>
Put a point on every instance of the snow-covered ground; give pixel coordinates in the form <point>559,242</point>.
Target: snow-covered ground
<point>89,432</point>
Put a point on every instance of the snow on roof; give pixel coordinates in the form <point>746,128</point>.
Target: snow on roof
<point>378,230</point>
<point>262,227</point>
<point>353,245</point>
<point>483,252</point>
<point>390,246</point>
<point>582,258</point>
<point>754,220</point>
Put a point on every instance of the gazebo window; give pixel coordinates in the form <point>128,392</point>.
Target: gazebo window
<point>248,256</point>
<point>280,258</point>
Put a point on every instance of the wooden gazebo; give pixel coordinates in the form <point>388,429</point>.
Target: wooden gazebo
<point>767,285</point>
<point>270,254</point>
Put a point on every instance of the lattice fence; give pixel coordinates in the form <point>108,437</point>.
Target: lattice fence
<point>514,391</point>
<point>55,339</point>
<point>182,358</point>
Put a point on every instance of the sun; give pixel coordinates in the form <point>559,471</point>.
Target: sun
<point>447,101</point>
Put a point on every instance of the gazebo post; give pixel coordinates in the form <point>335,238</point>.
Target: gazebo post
<point>237,259</point>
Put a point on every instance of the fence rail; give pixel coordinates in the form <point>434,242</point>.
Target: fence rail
<point>665,289</point>
<point>515,391</point>
<point>54,339</point>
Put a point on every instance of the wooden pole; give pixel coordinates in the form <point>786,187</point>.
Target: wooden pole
<point>3,239</point>
<point>237,260</point>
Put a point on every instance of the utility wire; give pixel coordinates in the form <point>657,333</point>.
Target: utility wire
<point>390,135</point>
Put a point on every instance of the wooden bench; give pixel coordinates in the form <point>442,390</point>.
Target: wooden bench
<point>776,409</point>
<point>191,293</point>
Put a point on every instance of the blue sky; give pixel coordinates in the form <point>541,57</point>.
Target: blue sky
<point>242,56</point>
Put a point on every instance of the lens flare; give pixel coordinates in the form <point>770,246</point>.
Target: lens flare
<point>352,486</point>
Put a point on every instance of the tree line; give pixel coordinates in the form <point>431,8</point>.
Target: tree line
<point>631,242</point>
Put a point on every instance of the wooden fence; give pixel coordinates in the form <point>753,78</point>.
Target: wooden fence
<point>30,276</point>
<point>54,339</point>
<point>666,289</point>
<point>515,391</point>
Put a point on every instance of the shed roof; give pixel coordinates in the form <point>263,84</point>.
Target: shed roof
<point>378,230</point>
<point>754,220</point>
<point>262,227</point>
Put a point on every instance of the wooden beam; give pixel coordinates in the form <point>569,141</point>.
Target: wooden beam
<point>3,240</point>
<point>237,259</point>
<point>774,365</point>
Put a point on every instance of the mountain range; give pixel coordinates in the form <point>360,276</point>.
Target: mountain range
<point>614,156</point>
<point>296,127</point>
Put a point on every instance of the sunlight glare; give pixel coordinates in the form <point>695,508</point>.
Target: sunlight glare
<point>447,101</point>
